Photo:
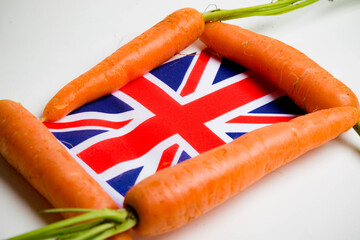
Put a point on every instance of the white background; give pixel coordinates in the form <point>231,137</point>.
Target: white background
<point>45,44</point>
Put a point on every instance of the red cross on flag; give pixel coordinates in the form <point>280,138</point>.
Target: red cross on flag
<point>184,107</point>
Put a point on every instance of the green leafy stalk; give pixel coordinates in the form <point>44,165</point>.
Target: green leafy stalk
<point>69,231</point>
<point>119,228</point>
<point>94,231</point>
<point>273,8</point>
<point>90,225</point>
<point>357,128</point>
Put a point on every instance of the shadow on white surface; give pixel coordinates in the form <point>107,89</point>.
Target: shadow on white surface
<point>24,197</point>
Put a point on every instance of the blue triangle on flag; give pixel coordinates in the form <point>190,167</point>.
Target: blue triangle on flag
<point>123,182</point>
<point>105,104</point>
<point>280,105</point>
<point>184,156</point>
<point>235,135</point>
<point>73,138</point>
<point>172,73</point>
<point>228,69</point>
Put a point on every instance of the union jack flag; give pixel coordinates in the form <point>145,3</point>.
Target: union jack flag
<point>175,112</point>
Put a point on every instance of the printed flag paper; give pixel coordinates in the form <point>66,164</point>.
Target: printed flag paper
<point>179,110</point>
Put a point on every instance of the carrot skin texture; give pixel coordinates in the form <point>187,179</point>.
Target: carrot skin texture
<point>310,86</point>
<point>134,59</point>
<point>176,195</point>
<point>122,236</point>
<point>35,152</point>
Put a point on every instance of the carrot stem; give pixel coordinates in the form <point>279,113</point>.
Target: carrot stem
<point>95,231</point>
<point>79,230</point>
<point>66,233</point>
<point>273,8</point>
<point>357,128</point>
<point>119,228</point>
<point>103,224</point>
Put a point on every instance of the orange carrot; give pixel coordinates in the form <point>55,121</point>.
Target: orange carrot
<point>35,153</point>
<point>176,195</point>
<point>304,81</point>
<point>122,236</point>
<point>149,50</point>
<point>129,62</point>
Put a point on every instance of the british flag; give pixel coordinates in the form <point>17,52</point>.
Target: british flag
<point>175,112</point>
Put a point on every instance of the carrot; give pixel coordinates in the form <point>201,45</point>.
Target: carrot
<point>35,153</point>
<point>147,51</point>
<point>176,195</point>
<point>304,81</point>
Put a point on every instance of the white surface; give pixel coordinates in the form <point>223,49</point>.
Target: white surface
<point>45,44</point>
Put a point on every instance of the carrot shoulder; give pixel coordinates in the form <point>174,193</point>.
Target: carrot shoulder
<point>176,195</point>
<point>309,85</point>
<point>140,55</point>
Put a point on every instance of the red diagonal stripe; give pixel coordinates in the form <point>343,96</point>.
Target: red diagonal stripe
<point>86,123</point>
<point>171,118</point>
<point>167,157</point>
<point>196,74</point>
<point>260,119</point>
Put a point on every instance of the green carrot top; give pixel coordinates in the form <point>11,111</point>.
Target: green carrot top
<point>274,8</point>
